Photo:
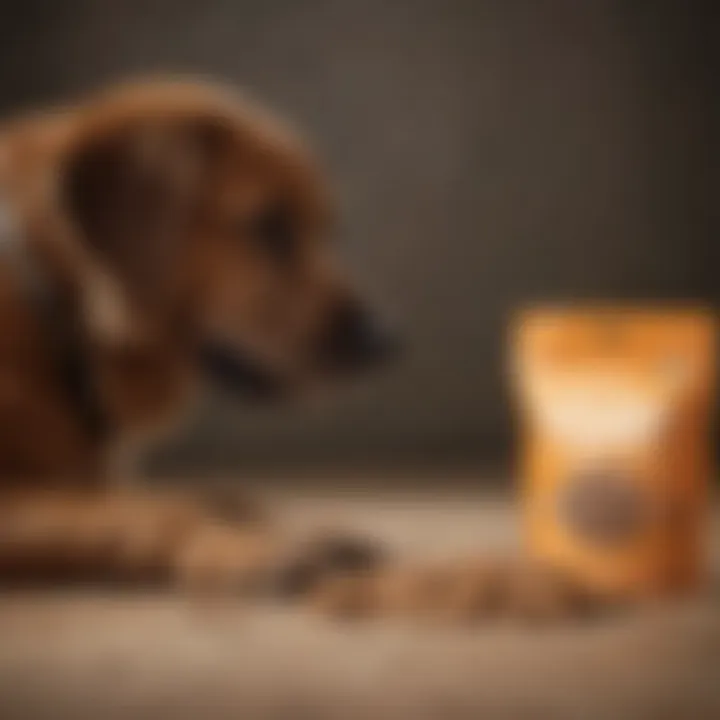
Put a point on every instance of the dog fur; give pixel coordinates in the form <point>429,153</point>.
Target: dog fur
<point>165,216</point>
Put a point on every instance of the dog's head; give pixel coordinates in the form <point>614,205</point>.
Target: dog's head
<point>213,225</point>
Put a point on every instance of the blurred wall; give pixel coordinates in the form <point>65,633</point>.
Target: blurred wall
<point>487,153</point>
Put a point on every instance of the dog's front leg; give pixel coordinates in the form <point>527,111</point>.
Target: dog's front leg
<point>134,537</point>
<point>128,537</point>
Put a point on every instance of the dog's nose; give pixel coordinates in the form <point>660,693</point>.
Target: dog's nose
<point>358,339</point>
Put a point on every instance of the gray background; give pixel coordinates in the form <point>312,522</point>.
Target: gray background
<point>487,153</point>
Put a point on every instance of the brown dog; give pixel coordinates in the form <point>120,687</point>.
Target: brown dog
<point>153,237</point>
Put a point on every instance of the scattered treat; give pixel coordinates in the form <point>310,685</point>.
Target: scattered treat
<point>475,590</point>
<point>537,592</point>
<point>459,592</point>
<point>347,597</point>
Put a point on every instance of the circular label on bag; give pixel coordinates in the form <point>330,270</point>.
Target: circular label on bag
<point>605,507</point>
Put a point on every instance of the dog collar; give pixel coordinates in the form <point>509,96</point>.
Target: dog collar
<point>61,329</point>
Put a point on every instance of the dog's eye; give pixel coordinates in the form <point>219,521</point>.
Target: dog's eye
<point>274,233</point>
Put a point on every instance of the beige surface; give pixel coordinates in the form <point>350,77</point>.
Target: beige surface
<point>99,656</point>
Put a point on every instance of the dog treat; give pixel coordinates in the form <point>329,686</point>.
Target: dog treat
<point>615,408</point>
<point>537,591</point>
<point>467,591</point>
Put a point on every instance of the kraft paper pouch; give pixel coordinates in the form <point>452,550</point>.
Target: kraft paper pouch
<point>616,415</point>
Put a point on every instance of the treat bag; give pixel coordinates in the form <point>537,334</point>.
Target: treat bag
<point>615,409</point>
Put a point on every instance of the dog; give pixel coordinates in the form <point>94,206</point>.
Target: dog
<point>155,236</point>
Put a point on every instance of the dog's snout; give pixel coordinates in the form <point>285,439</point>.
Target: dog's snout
<point>358,339</point>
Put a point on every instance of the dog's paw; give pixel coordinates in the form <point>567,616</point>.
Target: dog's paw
<point>322,559</point>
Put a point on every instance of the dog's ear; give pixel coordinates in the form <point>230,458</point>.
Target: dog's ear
<point>132,191</point>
